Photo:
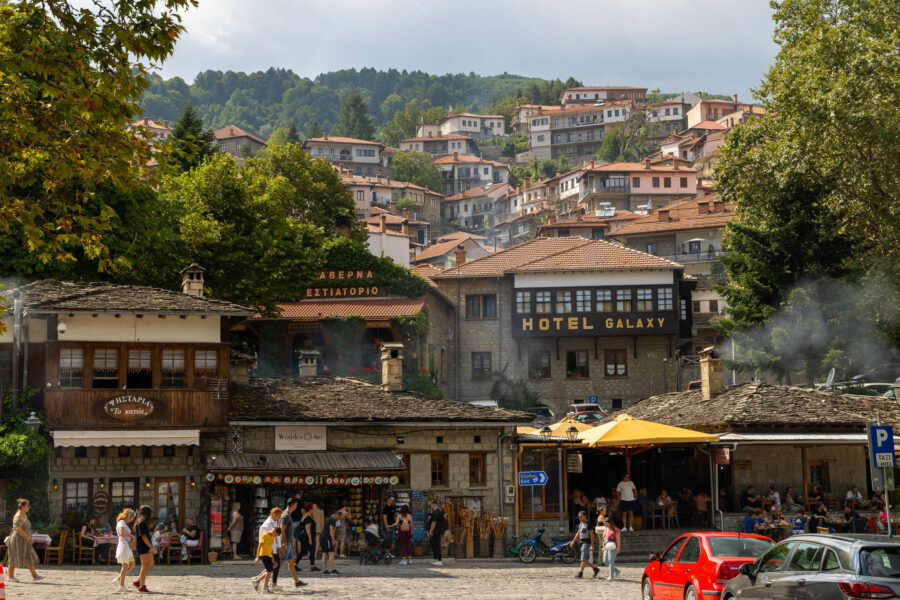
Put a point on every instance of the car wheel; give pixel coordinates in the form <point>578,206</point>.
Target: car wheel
<point>527,553</point>
<point>647,589</point>
<point>690,593</point>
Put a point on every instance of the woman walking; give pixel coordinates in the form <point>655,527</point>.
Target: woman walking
<point>612,545</point>
<point>404,534</point>
<point>124,556</point>
<point>21,545</point>
<point>236,529</point>
<point>145,547</point>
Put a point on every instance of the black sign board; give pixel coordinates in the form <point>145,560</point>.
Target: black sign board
<point>591,324</point>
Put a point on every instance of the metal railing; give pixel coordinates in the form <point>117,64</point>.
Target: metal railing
<point>683,257</point>
<point>606,189</point>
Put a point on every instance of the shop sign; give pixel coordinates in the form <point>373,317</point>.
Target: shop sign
<point>743,465</point>
<point>574,462</point>
<point>310,480</point>
<point>100,504</point>
<point>128,408</point>
<point>594,324</point>
<point>216,502</point>
<point>378,324</point>
<point>309,327</point>
<point>300,437</point>
<point>347,291</point>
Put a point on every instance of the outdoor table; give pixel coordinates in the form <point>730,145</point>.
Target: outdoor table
<point>776,532</point>
<point>113,540</point>
<point>839,525</point>
<point>41,540</point>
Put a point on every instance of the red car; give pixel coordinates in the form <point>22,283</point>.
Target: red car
<point>696,566</point>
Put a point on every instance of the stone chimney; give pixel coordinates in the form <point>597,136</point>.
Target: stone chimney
<point>647,162</point>
<point>239,369</point>
<point>702,207</point>
<point>309,363</point>
<point>392,366</point>
<point>460,256</point>
<point>165,122</point>
<point>382,222</point>
<point>663,214</point>
<point>192,280</point>
<point>710,372</point>
<point>325,135</point>
<point>456,156</point>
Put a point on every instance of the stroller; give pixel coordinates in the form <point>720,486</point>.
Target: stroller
<point>377,549</point>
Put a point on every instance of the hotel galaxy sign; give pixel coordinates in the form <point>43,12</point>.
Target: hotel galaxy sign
<point>593,324</point>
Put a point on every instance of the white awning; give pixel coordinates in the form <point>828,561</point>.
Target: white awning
<point>118,437</point>
<point>793,438</point>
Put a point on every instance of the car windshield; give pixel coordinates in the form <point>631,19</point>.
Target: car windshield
<point>738,546</point>
<point>880,562</point>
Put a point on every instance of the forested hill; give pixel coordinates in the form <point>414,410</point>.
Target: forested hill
<point>265,101</point>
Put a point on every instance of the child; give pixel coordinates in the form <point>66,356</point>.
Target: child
<point>800,522</point>
<point>266,542</point>
<point>123,551</point>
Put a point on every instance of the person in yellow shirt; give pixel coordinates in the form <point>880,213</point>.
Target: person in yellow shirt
<point>266,543</point>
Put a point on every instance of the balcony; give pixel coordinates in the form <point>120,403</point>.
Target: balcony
<point>692,257</point>
<point>605,189</point>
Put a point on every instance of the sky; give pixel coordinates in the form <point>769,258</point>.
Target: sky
<point>717,46</point>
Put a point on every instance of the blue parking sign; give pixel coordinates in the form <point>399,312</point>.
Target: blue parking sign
<point>881,445</point>
<point>594,400</point>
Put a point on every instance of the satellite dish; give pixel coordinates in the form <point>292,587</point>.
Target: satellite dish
<point>830,381</point>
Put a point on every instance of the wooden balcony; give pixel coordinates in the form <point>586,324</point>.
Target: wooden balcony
<point>202,408</point>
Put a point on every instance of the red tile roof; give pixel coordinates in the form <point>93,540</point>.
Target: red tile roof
<point>233,131</point>
<point>465,158</point>
<point>441,249</point>
<point>369,308</point>
<point>683,215</point>
<point>438,137</point>
<point>468,114</point>
<point>635,166</point>
<point>426,271</point>
<point>459,235</point>
<point>475,192</point>
<point>588,221</point>
<point>341,140</point>
<point>707,125</point>
<point>558,254</point>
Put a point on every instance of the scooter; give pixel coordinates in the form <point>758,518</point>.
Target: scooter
<point>534,546</point>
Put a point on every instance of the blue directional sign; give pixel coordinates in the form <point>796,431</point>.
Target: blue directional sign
<point>594,400</point>
<point>881,445</point>
<point>527,478</point>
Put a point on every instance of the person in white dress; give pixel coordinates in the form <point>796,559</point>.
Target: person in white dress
<point>124,555</point>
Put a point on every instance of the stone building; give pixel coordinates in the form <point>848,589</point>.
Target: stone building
<point>574,318</point>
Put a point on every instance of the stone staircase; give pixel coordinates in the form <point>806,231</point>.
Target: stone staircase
<point>637,545</point>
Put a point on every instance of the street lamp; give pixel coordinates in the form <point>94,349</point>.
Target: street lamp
<point>32,423</point>
<point>572,434</point>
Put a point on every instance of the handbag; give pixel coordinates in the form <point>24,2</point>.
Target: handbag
<point>610,546</point>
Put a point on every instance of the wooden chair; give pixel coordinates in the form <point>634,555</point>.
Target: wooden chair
<point>56,552</point>
<point>831,502</point>
<point>174,547</point>
<point>822,530</point>
<point>198,551</point>
<point>81,552</point>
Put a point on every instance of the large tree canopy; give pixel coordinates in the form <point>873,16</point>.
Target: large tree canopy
<point>416,167</point>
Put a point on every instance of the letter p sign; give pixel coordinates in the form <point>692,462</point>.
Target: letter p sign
<point>881,445</point>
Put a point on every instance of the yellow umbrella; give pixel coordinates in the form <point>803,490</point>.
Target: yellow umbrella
<point>625,430</point>
<point>526,430</point>
<point>561,427</point>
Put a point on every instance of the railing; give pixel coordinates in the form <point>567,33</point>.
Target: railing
<point>606,189</point>
<point>683,257</point>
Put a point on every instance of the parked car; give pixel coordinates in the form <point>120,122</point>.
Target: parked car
<point>878,388</point>
<point>589,416</point>
<point>822,567</point>
<point>696,566</point>
<point>542,414</point>
<point>573,409</point>
<point>883,372</point>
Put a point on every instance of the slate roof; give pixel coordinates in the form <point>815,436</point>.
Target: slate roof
<point>343,399</point>
<point>706,282</point>
<point>51,296</point>
<point>762,405</point>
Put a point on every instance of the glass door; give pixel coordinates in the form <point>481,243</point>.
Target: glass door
<point>170,499</point>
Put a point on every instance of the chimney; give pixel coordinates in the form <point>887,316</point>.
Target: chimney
<point>392,366</point>
<point>527,181</point>
<point>146,121</point>
<point>325,135</point>
<point>192,280</point>
<point>239,369</point>
<point>430,134</point>
<point>382,222</point>
<point>710,372</point>
<point>165,122</point>
<point>558,173</point>
<point>404,227</point>
<point>663,214</point>
<point>309,363</point>
<point>734,98</point>
<point>592,163</point>
<point>675,161</point>
<point>405,214</point>
<point>460,256</point>
<point>579,213</point>
<point>456,156</point>
<point>703,208</point>
<point>647,162</point>
<point>551,219</point>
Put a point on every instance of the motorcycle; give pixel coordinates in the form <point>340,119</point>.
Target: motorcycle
<point>535,546</point>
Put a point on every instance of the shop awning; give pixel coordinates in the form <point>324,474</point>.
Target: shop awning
<point>794,438</point>
<point>308,462</point>
<point>625,430</point>
<point>118,437</point>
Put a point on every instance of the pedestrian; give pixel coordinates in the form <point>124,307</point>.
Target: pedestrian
<point>435,532</point>
<point>328,541</point>
<point>287,540</point>
<point>124,555</point>
<point>627,494</point>
<point>144,546</point>
<point>612,545</point>
<point>341,532</point>
<point>236,529</point>
<point>266,553</point>
<point>307,536</point>
<point>585,535</point>
<point>21,544</point>
<point>388,521</point>
<point>268,525</point>
<point>404,534</point>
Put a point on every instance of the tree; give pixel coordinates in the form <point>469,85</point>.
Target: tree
<point>354,120</point>
<point>293,136</point>
<point>315,131</point>
<point>69,86</point>
<point>417,168</point>
<point>405,203</point>
<point>404,122</point>
<point>610,149</point>
<point>191,144</point>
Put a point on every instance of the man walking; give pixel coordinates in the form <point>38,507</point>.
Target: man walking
<point>306,534</point>
<point>287,540</point>
<point>436,532</point>
<point>584,533</point>
<point>627,493</point>
<point>388,517</point>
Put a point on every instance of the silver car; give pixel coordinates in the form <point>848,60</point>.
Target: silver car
<point>821,567</point>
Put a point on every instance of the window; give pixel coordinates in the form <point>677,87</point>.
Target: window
<point>439,469</point>
<point>807,557</point>
<point>204,367</point>
<point>481,307</point>
<point>564,302</point>
<point>819,474</point>
<point>473,307</point>
<point>106,368</point>
<point>774,559</point>
<point>693,247</point>
<point>616,403</point>
<point>140,369</point>
<point>523,302</point>
<point>667,182</point>
<point>713,306</point>
<point>683,309</point>
<point>615,363</point>
<point>77,495</point>
<point>542,303</point>
<point>683,182</point>
<point>360,195</point>
<point>541,500</point>
<point>636,182</point>
<point>652,248</point>
<point>583,300</point>
<point>695,306</point>
<point>5,370</point>
<point>675,111</point>
<point>668,112</point>
<point>577,364</point>
<point>665,298</point>
<point>404,476</point>
<point>477,470</point>
<point>655,182</point>
<point>623,300</point>
<point>122,494</point>
<point>691,551</point>
<point>672,551</point>
<point>539,364</point>
<point>830,562</point>
<point>365,152</point>
<point>540,138</point>
<point>644,300</point>
<point>604,301</point>
<point>481,366</point>
<point>172,368</point>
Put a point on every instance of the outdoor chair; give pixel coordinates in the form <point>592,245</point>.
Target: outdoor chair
<point>822,530</point>
<point>174,548</point>
<point>654,515</point>
<point>831,503</point>
<point>56,552</point>
<point>671,515</point>
<point>80,551</point>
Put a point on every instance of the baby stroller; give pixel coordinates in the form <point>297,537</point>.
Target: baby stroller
<point>377,549</point>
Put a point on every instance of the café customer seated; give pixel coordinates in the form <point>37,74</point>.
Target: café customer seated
<point>750,500</point>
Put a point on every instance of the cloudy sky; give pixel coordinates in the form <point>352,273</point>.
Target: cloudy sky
<point>720,46</point>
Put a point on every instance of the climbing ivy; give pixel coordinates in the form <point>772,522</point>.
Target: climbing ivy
<point>23,455</point>
<point>345,254</point>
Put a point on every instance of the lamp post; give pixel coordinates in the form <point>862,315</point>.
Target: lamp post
<point>572,436</point>
<point>32,423</point>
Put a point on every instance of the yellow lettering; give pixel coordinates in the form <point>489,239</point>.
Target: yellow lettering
<point>369,274</point>
<point>330,274</point>
<point>340,291</point>
<point>640,324</point>
<point>573,322</point>
<point>660,320</point>
<point>527,324</point>
<point>340,274</point>
<point>359,274</point>
<point>584,323</point>
<point>649,322</point>
<point>309,292</point>
<point>322,275</point>
<point>628,324</point>
<point>543,324</point>
<point>317,292</point>
<point>353,291</point>
<point>557,320</point>
<point>609,323</point>
<point>619,324</point>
